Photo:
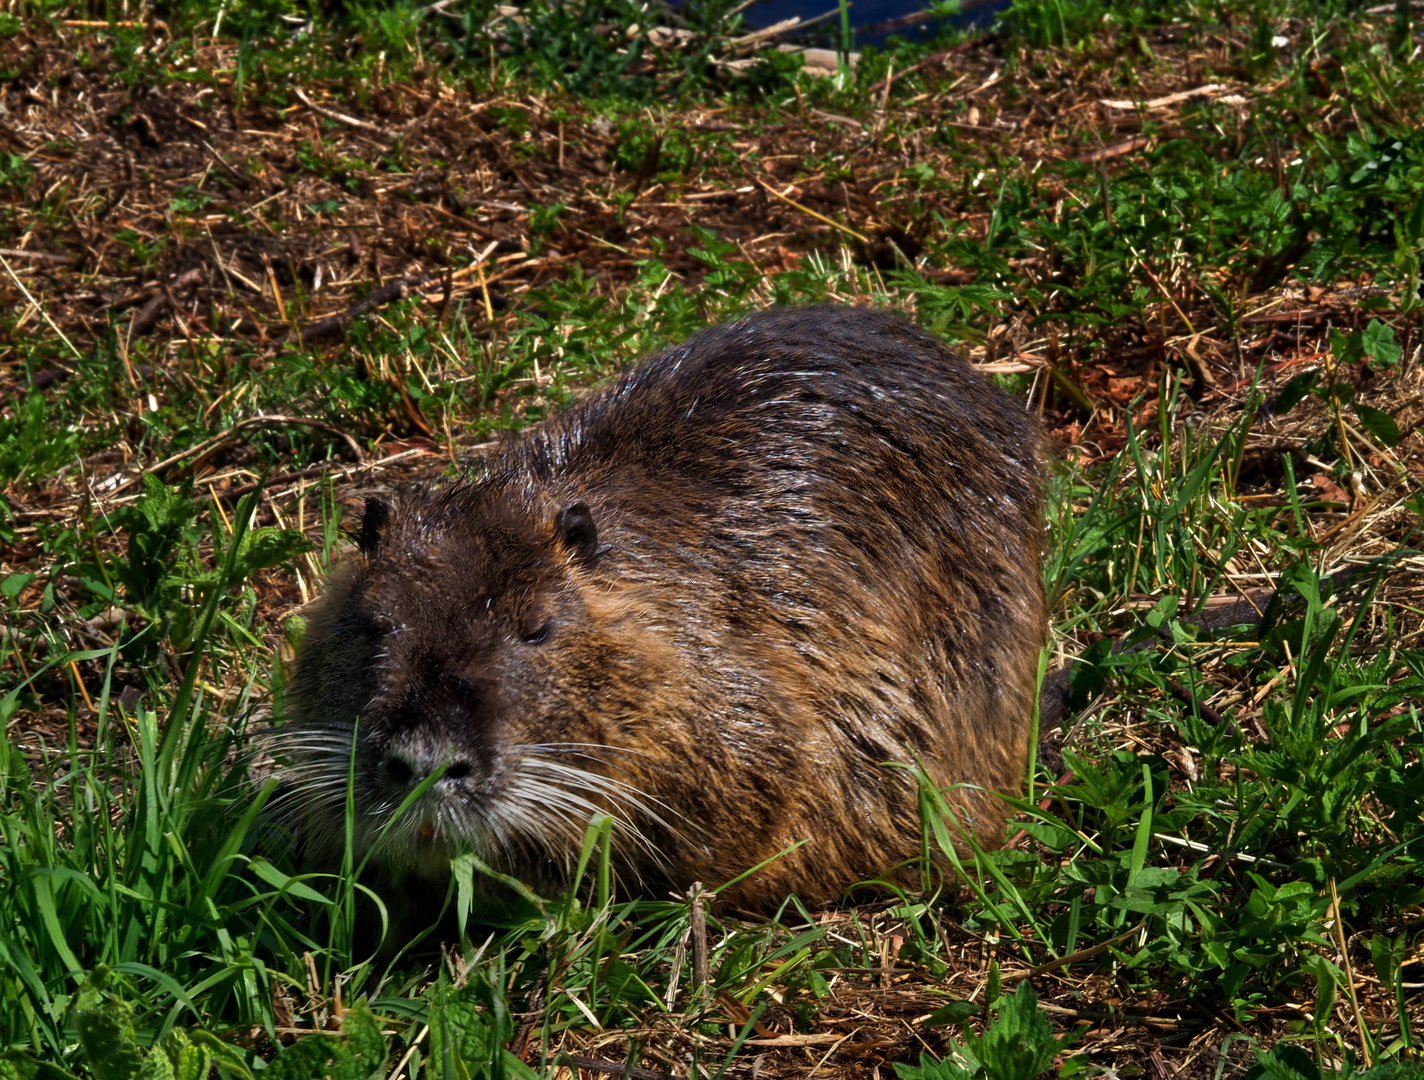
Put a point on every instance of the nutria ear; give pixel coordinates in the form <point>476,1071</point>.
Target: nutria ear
<point>578,531</point>
<point>373,521</point>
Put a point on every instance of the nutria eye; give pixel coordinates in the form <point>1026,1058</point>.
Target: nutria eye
<point>537,636</point>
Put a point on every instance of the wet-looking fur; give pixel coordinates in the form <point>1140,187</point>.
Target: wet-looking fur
<point>712,599</point>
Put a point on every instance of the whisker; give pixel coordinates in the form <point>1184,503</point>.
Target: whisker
<point>560,794</point>
<point>551,792</point>
<point>591,752</point>
<point>609,786</point>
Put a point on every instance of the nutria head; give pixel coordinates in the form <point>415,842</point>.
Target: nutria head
<point>465,639</point>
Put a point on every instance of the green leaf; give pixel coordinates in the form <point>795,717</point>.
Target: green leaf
<point>156,1066</point>
<point>310,1056</point>
<point>930,1069</point>
<point>291,886</point>
<point>364,1042</point>
<point>956,1012</point>
<point>1162,611</point>
<point>993,989</point>
<point>187,1061</point>
<point>16,1065</point>
<point>514,1069</point>
<point>105,1026</point>
<point>12,585</point>
<point>220,1052</point>
<point>624,984</point>
<point>468,1028</point>
<point>1379,424</point>
<point>1384,955</point>
<point>43,887</point>
<point>1285,1061</point>
<point>268,546</point>
<point>1377,342</point>
<point>1294,392</point>
<point>359,1053</point>
<point>1019,1044</point>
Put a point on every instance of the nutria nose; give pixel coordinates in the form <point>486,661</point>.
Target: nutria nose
<point>403,765</point>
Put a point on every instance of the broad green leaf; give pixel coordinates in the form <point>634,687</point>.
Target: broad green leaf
<point>956,1012</point>
<point>468,1027</point>
<point>1019,1044</point>
<point>105,1026</point>
<point>286,883</point>
<point>1294,392</point>
<point>358,1053</point>
<point>1377,342</point>
<point>930,1069</point>
<point>16,1065</point>
<point>12,585</point>
<point>156,1066</point>
<point>1379,424</point>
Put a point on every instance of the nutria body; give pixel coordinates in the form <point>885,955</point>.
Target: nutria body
<point>713,598</point>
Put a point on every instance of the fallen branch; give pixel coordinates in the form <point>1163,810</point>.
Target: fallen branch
<point>342,118</point>
<point>150,312</point>
<point>252,421</point>
<point>398,289</point>
<point>1304,315</point>
<point>614,1068</point>
<point>807,210</point>
<point>276,481</point>
<point>333,324</point>
<point>938,57</point>
<point>1116,149</point>
<point>40,256</point>
<point>771,31</point>
<point>816,1039</point>
<point>785,26</point>
<point>1081,954</point>
<point>1171,99</point>
<point>836,118</point>
<point>15,137</point>
<point>904,22</point>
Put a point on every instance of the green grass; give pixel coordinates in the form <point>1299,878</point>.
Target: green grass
<point>1233,841</point>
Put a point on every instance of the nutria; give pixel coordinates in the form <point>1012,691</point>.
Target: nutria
<point>713,598</point>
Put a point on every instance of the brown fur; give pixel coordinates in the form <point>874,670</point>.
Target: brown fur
<point>730,585</point>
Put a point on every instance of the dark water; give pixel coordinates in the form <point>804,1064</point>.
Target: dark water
<point>867,15</point>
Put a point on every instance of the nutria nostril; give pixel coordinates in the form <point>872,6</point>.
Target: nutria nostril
<point>397,771</point>
<point>404,765</point>
<point>712,600</point>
